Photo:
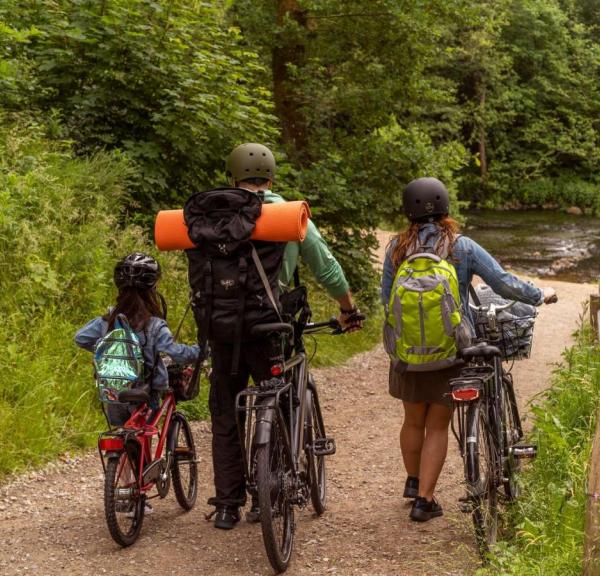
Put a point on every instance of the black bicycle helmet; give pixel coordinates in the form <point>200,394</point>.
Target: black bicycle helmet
<point>138,271</point>
<point>425,198</point>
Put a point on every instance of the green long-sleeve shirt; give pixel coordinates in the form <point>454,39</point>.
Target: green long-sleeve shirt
<point>315,254</point>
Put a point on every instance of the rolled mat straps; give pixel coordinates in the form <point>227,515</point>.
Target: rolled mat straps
<point>279,222</point>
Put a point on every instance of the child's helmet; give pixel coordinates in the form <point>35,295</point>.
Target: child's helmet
<point>425,198</point>
<point>137,270</point>
<point>250,161</point>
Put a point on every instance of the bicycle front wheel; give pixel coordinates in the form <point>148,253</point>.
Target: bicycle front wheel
<point>274,486</point>
<point>123,503</point>
<point>481,460</point>
<point>184,467</point>
<point>317,474</point>
<point>511,426</point>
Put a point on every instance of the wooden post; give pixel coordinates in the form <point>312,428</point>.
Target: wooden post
<point>594,313</point>
<point>591,553</point>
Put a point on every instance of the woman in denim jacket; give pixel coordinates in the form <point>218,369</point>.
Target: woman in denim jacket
<point>427,408</point>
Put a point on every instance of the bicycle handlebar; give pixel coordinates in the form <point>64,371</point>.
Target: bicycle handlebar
<point>333,323</point>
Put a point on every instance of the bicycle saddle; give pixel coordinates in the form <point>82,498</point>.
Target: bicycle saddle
<point>480,351</point>
<point>134,396</point>
<point>261,330</point>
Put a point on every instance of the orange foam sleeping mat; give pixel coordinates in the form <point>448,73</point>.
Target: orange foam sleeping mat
<point>279,222</point>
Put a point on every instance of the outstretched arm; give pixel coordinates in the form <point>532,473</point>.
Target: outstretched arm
<point>501,281</point>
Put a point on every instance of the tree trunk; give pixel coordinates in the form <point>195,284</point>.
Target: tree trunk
<point>483,164</point>
<point>289,50</point>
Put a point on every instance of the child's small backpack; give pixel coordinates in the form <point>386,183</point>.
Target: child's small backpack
<point>424,326</point>
<point>118,361</point>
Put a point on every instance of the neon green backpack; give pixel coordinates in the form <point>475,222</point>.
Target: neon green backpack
<point>424,326</point>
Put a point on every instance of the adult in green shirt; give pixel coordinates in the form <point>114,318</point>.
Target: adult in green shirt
<point>252,167</point>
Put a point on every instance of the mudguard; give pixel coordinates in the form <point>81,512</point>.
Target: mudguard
<point>264,421</point>
<point>173,432</point>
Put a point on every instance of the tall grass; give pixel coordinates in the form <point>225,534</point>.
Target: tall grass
<point>548,520</point>
<point>59,240</point>
<point>60,236</point>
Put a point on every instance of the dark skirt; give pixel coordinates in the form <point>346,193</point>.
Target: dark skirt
<point>429,387</point>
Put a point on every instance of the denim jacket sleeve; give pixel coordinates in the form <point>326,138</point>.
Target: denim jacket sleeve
<point>387,278</point>
<point>499,280</point>
<point>180,353</point>
<point>87,336</point>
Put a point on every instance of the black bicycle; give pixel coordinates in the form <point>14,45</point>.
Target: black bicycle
<point>486,420</point>
<point>283,434</point>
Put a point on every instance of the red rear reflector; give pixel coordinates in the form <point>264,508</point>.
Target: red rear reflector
<point>277,370</point>
<point>465,394</point>
<point>110,444</point>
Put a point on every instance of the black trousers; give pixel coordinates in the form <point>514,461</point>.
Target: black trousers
<point>229,477</point>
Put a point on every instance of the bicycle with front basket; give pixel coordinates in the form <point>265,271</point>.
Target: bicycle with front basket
<point>486,421</point>
<point>153,448</point>
<point>283,436</point>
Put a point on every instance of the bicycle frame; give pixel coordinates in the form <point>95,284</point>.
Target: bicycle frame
<point>140,430</point>
<point>263,403</point>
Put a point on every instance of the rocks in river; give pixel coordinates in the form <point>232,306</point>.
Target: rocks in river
<point>574,211</point>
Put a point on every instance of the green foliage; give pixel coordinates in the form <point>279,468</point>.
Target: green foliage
<point>59,240</point>
<point>549,518</point>
<point>164,81</point>
<point>564,191</point>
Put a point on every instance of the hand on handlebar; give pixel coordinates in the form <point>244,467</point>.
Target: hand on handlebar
<point>351,321</point>
<point>550,296</point>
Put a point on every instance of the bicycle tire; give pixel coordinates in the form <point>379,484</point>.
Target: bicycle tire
<point>480,473</point>
<point>276,511</point>
<point>317,472</point>
<point>184,467</point>
<point>124,515</point>
<point>511,427</point>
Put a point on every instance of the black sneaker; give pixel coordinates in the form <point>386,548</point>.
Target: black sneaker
<point>411,488</point>
<point>422,510</point>
<point>226,517</point>
<point>253,515</point>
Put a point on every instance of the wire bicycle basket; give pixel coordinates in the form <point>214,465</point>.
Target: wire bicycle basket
<point>511,329</point>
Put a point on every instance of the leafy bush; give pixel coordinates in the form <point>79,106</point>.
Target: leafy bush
<point>549,518</point>
<point>564,191</point>
<point>166,82</point>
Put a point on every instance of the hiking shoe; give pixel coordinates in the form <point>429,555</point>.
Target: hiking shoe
<point>227,517</point>
<point>411,488</point>
<point>423,510</point>
<point>253,515</point>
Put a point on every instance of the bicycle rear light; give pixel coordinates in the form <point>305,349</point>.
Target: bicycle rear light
<point>110,444</point>
<point>465,394</point>
<point>276,370</point>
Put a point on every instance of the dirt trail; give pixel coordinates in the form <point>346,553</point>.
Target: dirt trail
<point>52,521</point>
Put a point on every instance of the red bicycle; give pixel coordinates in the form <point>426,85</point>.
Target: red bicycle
<point>149,450</point>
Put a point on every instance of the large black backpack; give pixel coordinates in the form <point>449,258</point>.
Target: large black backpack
<point>234,279</point>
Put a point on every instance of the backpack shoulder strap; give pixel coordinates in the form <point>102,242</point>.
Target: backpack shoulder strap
<point>265,281</point>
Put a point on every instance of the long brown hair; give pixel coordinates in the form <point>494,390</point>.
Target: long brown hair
<point>138,306</point>
<point>407,239</point>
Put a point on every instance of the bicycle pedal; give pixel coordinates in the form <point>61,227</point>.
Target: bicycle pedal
<point>323,447</point>
<point>524,451</point>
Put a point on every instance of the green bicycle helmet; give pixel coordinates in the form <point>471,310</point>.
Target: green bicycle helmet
<point>250,161</point>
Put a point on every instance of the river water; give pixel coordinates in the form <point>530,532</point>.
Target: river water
<point>540,243</point>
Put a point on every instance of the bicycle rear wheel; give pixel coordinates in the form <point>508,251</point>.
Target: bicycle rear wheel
<point>184,468</point>
<point>123,503</point>
<point>481,460</point>
<point>317,474</point>
<point>273,482</point>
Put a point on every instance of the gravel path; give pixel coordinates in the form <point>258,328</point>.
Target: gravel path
<point>52,521</point>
